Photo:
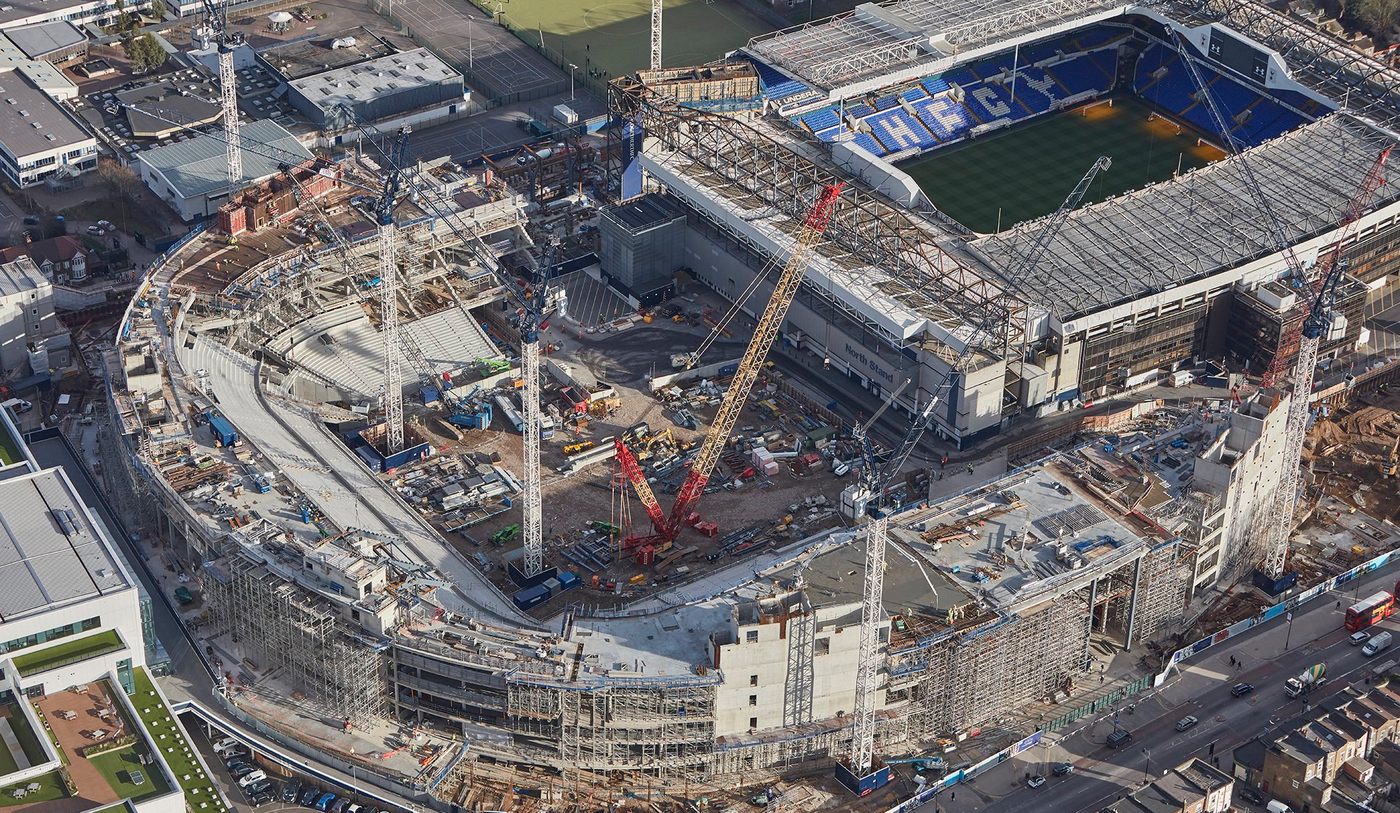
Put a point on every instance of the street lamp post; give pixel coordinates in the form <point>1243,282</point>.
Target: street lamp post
<point>1288,636</point>
<point>572,68</point>
<point>1147,772</point>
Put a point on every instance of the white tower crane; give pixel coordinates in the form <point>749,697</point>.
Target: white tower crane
<point>870,497</point>
<point>228,87</point>
<point>1277,522</point>
<point>656,35</point>
<point>389,292</point>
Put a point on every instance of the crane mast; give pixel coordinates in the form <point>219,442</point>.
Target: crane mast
<point>388,295</point>
<point>872,499</point>
<point>813,227</point>
<point>656,35</point>
<point>1277,522</point>
<point>228,88</point>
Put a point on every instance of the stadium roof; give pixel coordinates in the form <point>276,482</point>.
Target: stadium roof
<point>198,166</point>
<point>1199,224</point>
<point>874,39</point>
<point>50,550</point>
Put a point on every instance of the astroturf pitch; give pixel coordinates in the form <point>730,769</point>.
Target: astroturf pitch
<point>1027,171</point>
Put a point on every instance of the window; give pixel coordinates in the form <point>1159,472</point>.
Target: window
<point>753,700</point>
<point>751,637</point>
<point>753,723</point>
<point>823,646</point>
<point>52,634</point>
<point>753,680</point>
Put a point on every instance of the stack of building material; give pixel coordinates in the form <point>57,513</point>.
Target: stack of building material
<point>763,461</point>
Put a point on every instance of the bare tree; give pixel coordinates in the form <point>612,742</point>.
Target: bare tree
<point>121,179</point>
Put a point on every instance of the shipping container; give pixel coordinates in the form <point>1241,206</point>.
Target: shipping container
<point>531,597</point>
<point>568,580</point>
<point>223,431</point>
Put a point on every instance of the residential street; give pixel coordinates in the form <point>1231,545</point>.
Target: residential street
<point>1202,690</point>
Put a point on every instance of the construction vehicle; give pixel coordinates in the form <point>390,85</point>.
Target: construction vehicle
<point>506,535</point>
<point>1311,677</point>
<point>1392,460</point>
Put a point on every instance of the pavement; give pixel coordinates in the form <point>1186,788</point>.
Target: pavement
<point>1268,654</point>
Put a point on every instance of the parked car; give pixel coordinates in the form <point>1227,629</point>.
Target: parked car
<point>1119,738</point>
<point>251,778</point>
<point>1359,638</point>
<point>339,806</point>
<point>309,795</point>
<point>1242,689</point>
<point>106,224</point>
<point>1186,722</point>
<point>240,769</point>
<point>324,802</point>
<point>290,791</point>
<point>1063,769</point>
<point>1035,781</point>
<point>237,752</point>
<point>260,799</point>
<point>31,220</point>
<point>260,786</point>
<point>1251,795</point>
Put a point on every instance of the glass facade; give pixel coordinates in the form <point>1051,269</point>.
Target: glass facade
<point>51,634</point>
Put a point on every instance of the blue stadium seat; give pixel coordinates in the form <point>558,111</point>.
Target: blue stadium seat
<point>934,85</point>
<point>991,102</point>
<point>820,119</point>
<point>913,94</point>
<point>869,144</point>
<point>859,110</point>
<point>776,84</point>
<point>886,102</point>
<point>897,131</point>
<point>946,118</point>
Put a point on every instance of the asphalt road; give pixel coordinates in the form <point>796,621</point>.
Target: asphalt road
<point>1202,690</point>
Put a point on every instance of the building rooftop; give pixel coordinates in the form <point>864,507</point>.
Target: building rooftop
<point>645,212</point>
<point>189,103</point>
<point>15,12</point>
<point>374,78</point>
<point>20,276</point>
<point>198,166</point>
<point>45,75</point>
<point>41,39</point>
<point>1199,224</point>
<point>51,551</point>
<point>296,60</point>
<point>666,644</point>
<point>30,121</point>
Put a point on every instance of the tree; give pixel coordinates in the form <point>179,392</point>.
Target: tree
<point>158,9</point>
<point>121,179</point>
<point>1378,18</point>
<point>145,53</point>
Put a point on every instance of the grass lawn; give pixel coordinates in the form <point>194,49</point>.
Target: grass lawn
<point>9,451</point>
<point>1027,171</point>
<point>50,788</point>
<point>69,651</point>
<point>176,749</point>
<point>117,767</point>
<point>615,35</point>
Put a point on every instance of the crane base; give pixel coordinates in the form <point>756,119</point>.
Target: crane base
<point>1272,586</point>
<point>863,785</point>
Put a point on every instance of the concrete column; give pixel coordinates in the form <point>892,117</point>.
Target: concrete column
<point>1133,605</point>
<point>1093,596</point>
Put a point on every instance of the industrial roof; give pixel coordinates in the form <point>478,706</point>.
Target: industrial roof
<point>31,122</point>
<point>51,552</point>
<point>40,39</point>
<point>190,103</point>
<point>14,12</point>
<point>20,276</point>
<point>375,78</point>
<point>45,75</point>
<point>198,166</point>
<point>296,60</point>
<point>1199,224</point>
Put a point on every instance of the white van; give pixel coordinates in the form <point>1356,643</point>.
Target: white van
<point>1276,806</point>
<point>1378,644</point>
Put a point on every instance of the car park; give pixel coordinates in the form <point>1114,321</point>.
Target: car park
<point>1242,689</point>
<point>1186,722</point>
<point>290,791</point>
<point>1063,769</point>
<point>255,788</point>
<point>1035,781</point>
<point>324,802</point>
<point>240,769</point>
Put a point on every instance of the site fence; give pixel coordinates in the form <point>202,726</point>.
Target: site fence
<point>932,789</point>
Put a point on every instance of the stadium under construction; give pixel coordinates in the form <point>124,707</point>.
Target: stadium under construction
<point>324,575</point>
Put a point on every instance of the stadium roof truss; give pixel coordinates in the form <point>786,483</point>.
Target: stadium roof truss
<point>1201,223</point>
<point>1361,83</point>
<point>873,240</point>
<point>872,39</point>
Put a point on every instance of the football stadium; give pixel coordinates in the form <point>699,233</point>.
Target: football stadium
<point>1233,132</point>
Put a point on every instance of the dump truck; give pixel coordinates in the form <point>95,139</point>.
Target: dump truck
<point>1313,676</point>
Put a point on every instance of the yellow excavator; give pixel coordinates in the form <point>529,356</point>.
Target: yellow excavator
<point>1392,460</point>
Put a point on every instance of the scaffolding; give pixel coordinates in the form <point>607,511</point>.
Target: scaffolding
<point>285,628</point>
<point>1159,597</point>
<point>802,642</point>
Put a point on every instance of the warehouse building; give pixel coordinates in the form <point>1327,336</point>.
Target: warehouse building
<point>192,176</point>
<point>59,42</point>
<point>383,88</point>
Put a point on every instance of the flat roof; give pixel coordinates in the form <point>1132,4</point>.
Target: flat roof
<point>1199,224</point>
<point>190,103</point>
<point>51,552</point>
<point>296,60</point>
<point>32,122</point>
<point>199,165</point>
<point>40,39</point>
<point>374,78</point>
<point>20,276</point>
<point>665,644</point>
<point>14,11</point>
<point>645,212</point>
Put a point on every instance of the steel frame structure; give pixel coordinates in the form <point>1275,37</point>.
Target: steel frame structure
<point>869,237</point>
<point>656,35</point>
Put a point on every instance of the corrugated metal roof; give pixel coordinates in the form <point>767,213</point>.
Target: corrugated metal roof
<point>50,551</point>
<point>198,166</point>
<point>45,38</point>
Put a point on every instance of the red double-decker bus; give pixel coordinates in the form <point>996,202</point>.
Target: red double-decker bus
<point>1370,610</point>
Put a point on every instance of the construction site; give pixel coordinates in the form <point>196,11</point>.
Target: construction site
<point>703,454</point>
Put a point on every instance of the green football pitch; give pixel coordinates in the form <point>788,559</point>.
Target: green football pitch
<point>615,35</point>
<point>1025,172</point>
